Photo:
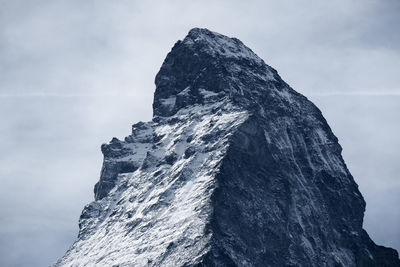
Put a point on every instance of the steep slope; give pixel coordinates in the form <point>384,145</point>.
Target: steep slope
<point>236,169</point>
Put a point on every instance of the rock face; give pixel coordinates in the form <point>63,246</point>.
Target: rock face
<point>235,169</point>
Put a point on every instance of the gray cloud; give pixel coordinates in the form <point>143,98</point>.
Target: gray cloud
<point>75,73</point>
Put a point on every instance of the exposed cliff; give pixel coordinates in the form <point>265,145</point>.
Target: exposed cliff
<point>235,169</point>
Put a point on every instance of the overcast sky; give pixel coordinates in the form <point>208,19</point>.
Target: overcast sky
<point>73,74</point>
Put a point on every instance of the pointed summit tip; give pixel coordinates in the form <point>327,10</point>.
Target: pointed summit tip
<point>197,32</point>
<point>206,61</point>
<point>219,45</point>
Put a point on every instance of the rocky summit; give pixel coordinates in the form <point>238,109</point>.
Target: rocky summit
<point>235,169</point>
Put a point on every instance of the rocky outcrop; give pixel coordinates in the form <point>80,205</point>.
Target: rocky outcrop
<point>235,169</point>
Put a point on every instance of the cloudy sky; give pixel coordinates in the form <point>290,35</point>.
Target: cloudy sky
<point>73,74</point>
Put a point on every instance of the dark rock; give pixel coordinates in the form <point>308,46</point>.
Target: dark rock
<point>189,152</point>
<point>171,158</point>
<point>263,182</point>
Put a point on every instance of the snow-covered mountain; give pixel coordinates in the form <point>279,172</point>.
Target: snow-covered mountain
<point>235,169</point>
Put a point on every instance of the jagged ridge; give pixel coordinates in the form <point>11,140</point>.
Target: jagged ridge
<point>236,169</point>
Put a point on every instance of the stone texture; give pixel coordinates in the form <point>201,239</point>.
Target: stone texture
<point>236,169</point>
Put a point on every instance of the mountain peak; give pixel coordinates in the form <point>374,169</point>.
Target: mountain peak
<point>236,169</point>
<point>219,45</point>
<point>208,64</point>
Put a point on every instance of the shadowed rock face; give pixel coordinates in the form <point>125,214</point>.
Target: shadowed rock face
<point>236,169</point>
